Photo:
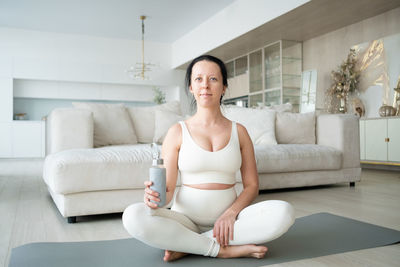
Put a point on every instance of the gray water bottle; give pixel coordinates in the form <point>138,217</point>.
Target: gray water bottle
<point>158,177</point>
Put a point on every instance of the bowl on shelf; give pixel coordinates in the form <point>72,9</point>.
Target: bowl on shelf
<point>20,116</point>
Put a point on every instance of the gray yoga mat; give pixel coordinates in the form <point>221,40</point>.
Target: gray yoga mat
<point>311,236</point>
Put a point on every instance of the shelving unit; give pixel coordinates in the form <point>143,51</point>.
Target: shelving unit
<point>238,81</point>
<point>274,74</point>
<point>282,73</point>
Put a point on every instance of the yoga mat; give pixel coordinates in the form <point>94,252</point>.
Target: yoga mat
<point>311,236</point>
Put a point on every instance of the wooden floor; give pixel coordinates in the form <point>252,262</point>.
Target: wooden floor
<point>27,214</point>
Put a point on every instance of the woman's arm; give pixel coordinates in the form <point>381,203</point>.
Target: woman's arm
<point>223,228</point>
<point>169,153</point>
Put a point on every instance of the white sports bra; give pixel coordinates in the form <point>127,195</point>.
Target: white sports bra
<point>199,166</point>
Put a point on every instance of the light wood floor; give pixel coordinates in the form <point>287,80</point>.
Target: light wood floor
<point>27,214</point>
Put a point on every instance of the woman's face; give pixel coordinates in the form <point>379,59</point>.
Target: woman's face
<point>206,83</point>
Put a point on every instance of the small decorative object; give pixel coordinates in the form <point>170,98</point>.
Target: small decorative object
<point>345,80</point>
<point>358,107</point>
<point>20,116</point>
<point>159,96</point>
<point>386,111</point>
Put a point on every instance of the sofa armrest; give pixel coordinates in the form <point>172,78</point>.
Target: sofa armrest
<point>69,128</point>
<point>341,131</point>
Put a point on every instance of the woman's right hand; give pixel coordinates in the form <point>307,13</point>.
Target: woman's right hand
<point>150,195</point>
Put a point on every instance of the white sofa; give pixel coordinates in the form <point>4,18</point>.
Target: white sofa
<point>84,180</point>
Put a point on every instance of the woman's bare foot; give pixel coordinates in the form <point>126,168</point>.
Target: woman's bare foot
<point>173,255</point>
<point>242,251</point>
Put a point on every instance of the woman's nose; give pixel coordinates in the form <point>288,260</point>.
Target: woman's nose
<point>204,83</point>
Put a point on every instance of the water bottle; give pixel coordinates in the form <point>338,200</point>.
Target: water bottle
<point>158,176</point>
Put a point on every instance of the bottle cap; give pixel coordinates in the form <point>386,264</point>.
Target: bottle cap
<point>158,161</point>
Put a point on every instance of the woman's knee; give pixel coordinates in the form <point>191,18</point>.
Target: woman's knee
<point>287,213</point>
<point>134,219</point>
<point>277,213</point>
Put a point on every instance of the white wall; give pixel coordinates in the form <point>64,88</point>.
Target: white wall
<point>231,22</point>
<point>101,62</point>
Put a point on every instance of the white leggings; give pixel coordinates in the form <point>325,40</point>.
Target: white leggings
<point>188,228</point>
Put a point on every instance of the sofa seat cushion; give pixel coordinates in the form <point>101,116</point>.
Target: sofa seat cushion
<point>105,168</point>
<point>296,157</point>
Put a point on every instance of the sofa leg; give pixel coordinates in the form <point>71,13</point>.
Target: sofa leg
<point>71,219</point>
<point>352,184</point>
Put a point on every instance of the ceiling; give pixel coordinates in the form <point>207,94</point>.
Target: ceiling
<point>310,20</point>
<point>167,20</point>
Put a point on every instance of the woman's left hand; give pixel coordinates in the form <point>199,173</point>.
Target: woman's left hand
<point>223,228</point>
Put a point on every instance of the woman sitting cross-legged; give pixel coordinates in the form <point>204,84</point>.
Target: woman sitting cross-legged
<point>207,217</point>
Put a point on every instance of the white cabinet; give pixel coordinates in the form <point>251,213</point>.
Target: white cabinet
<point>22,139</point>
<point>18,139</point>
<point>380,139</point>
<point>6,97</point>
<point>394,139</point>
<point>5,139</point>
<point>362,139</point>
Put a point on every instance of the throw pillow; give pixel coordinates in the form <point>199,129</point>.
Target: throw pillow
<point>143,119</point>
<point>112,125</point>
<point>163,121</point>
<point>260,123</point>
<point>295,128</point>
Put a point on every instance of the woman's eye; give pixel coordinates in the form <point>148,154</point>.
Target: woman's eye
<point>213,79</point>
<point>197,79</point>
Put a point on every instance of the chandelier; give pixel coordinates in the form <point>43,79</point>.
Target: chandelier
<point>141,69</point>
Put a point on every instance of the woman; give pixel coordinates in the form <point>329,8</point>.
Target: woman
<point>207,217</point>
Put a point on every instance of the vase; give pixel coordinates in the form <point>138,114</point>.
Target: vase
<point>342,106</point>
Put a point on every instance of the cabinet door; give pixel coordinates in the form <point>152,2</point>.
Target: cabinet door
<point>375,145</point>
<point>28,139</point>
<point>362,140</point>
<point>6,96</point>
<point>394,137</point>
<point>255,79</point>
<point>5,140</point>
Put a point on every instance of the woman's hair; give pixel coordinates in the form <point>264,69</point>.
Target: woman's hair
<point>206,58</point>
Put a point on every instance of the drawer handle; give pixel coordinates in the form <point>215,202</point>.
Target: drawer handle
<point>387,140</point>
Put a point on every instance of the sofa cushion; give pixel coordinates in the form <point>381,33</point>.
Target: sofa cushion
<point>295,128</point>
<point>143,119</point>
<point>163,121</point>
<point>66,122</point>
<point>259,123</point>
<point>105,168</point>
<point>112,125</point>
<point>293,158</point>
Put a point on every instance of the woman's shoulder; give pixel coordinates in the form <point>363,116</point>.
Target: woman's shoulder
<point>175,129</point>
<point>241,129</point>
<point>173,137</point>
<point>244,137</point>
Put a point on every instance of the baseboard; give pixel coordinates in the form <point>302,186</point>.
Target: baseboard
<point>380,166</point>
